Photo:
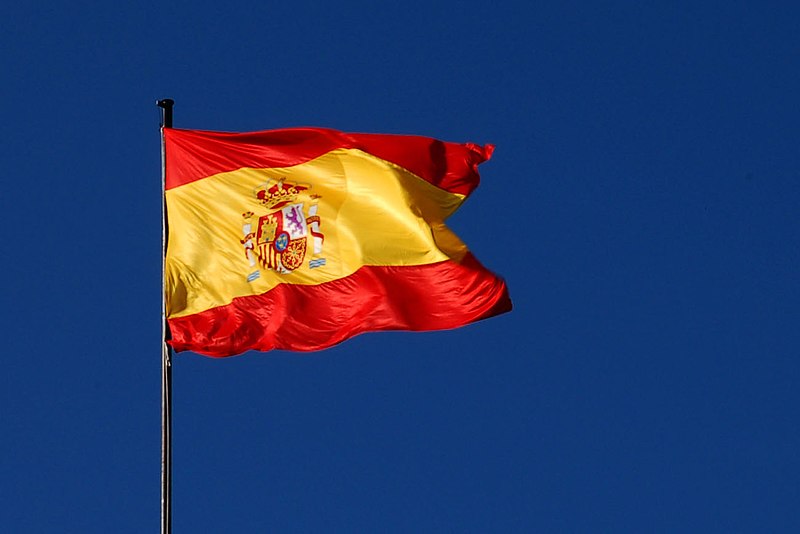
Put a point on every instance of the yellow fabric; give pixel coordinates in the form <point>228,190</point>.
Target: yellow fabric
<point>371,212</point>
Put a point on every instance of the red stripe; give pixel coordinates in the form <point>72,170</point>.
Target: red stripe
<point>305,318</point>
<point>194,154</point>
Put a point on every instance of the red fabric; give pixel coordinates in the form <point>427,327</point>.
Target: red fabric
<point>305,318</point>
<point>195,154</point>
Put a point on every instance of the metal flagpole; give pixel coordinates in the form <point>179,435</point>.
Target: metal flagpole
<point>166,352</point>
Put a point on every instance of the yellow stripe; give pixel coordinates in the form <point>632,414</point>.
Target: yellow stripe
<point>371,212</point>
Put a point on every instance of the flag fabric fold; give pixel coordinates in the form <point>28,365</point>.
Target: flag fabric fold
<point>298,239</point>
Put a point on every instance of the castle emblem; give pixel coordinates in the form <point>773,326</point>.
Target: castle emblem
<point>287,234</point>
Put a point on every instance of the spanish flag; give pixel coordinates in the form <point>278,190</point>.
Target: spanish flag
<point>298,239</point>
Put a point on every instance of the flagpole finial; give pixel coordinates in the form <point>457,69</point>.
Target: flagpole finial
<point>166,111</point>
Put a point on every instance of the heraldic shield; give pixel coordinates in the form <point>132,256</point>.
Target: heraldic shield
<point>281,238</point>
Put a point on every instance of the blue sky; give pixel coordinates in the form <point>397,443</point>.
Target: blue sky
<point>641,205</point>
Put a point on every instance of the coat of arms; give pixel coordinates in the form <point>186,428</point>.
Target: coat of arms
<point>279,241</point>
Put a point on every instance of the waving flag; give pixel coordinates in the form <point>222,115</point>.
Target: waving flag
<point>298,239</point>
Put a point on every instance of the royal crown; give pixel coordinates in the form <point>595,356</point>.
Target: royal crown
<point>279,194</point>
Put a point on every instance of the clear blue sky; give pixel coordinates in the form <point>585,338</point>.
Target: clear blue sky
<point>641,204</point>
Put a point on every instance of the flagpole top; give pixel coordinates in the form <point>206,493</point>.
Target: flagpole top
<point>166,111</point>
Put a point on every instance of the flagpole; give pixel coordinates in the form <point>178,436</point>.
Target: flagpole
<point>166,352</point>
